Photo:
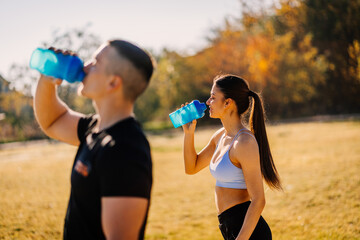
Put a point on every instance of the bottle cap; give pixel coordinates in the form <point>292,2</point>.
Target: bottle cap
<point>203,106</point>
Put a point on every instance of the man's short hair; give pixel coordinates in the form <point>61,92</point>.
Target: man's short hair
<point>133,65</point>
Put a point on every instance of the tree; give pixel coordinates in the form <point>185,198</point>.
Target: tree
<point>334,30</point>
<point>283,66</point>
<point>335,26</point>
<point>20,123</point>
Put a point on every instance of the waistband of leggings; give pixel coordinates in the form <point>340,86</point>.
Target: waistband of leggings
<point>236,209</point>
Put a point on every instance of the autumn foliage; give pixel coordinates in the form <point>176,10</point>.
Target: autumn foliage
<point>302,56</point>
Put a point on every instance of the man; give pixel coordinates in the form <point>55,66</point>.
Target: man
<point>111,177</point>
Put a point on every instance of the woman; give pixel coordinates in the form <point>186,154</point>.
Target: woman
<point>239,159</point>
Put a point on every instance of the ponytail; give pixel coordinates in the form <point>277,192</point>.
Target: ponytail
<point>237,89</point>
<point>257,126</point>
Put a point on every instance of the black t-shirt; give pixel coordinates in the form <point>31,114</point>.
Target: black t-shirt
<point>113,162</point>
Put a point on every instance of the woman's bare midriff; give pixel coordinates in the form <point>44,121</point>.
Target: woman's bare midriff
<point>226,198</point>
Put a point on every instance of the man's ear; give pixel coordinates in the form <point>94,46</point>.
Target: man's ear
<point>115,82</point>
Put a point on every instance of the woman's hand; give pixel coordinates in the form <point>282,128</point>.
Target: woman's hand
<point>189,127</point>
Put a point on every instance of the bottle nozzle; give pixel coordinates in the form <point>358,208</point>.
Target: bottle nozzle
<point>203,106</point>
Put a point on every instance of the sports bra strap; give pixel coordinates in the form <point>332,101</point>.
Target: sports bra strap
<point>219,141</point>
<point>236,136</point>
<point>251,135</point>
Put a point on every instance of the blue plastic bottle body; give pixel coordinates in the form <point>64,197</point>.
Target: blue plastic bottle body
<point>57,65</point>
<point>186,114</point>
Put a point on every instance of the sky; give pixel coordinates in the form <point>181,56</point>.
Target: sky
<point>181,25</point>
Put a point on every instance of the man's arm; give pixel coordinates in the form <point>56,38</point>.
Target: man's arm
<point>122,217</point>
<point>56,119</point>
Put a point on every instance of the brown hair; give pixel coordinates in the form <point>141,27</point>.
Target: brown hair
<point>238,90</point>
<point>137,77</point>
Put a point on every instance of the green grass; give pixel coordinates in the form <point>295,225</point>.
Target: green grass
<point>319,164</point>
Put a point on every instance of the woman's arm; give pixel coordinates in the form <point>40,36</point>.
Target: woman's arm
<point>247,150</point>
<point>195,162</point>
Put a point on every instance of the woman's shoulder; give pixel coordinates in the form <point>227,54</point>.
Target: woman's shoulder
<point>246,141</point>
<point>219,132</point>
<point>217,135</point>
<point>245,149</point>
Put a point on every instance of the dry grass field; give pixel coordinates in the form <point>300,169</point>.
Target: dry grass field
<point>319,164</point>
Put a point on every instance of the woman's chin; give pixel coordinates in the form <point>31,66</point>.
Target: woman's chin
<point>80,90</point>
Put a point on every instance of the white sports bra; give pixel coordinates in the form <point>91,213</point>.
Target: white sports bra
<point>225,172</point>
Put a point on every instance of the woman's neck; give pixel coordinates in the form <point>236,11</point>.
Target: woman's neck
<point>232,125</point>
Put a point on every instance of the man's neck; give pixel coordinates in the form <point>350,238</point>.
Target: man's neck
<point>112,112</point>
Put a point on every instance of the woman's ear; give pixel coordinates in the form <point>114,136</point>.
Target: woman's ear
<point>228,102</point>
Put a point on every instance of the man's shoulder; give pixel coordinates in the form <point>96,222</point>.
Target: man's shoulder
<point>129,132</point>
<point>127,140</point>
<point>86,125</point>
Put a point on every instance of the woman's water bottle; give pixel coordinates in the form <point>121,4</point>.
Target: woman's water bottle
<point>57,65</point>
<point>186,114</point>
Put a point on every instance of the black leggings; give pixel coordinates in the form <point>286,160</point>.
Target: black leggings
<point>232,219</point>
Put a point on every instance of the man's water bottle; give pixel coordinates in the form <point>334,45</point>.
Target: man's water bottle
<point>57,65</point>
<point>186,114</point>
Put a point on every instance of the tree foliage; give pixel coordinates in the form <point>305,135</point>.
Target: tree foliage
<point>301,55</point>
<point>17,104</point>
<point>335,27</point>
<point>19,122</point>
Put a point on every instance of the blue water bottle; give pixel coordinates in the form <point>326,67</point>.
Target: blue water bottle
<point>57,65</point>
<point>186,114</point>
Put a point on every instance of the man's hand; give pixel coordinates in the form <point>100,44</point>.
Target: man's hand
<point>55,81</point>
